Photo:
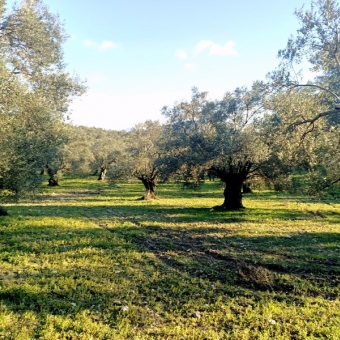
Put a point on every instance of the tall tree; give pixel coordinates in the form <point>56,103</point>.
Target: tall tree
<point>145,154</point>
<point>218,136</point>
<point>316,45</point>
<point>35,91</point>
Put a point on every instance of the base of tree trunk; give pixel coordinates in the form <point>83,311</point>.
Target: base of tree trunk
<point>232,207</point>
<point>227,208</point>
<point>149,184</point>
<point>149,196</point>
<point>53,182</point>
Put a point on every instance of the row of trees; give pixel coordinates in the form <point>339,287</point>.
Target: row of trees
<point>276,127</point>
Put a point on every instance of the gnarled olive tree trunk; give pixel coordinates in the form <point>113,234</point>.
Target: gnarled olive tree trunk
<point>233,193</point>
<point>150,184</point>
<point>234,176</point>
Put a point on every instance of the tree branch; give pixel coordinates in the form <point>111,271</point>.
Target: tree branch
<point>318,116</point>
<point>330,184</point>
<point>317,86</point>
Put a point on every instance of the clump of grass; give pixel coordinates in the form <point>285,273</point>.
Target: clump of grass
<point>255,274</point>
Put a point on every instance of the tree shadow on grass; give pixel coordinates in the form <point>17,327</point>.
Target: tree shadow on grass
<point>171,214</point>
<point>187,260</point>
<point>259,263</point>
<point>200,243</point>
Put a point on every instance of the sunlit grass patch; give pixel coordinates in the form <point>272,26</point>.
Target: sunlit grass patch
<point>88,260</point>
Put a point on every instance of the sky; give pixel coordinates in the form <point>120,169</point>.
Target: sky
<point>140,55</point>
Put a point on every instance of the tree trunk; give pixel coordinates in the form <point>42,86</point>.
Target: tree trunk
<point>233,175</point>
<point>233,193</point>
<point>149,185</point>
<point>102,174</point>
<point>246,188</point>
<point>52,182</point>
<point>211,175</point>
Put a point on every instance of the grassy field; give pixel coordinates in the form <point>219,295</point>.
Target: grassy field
<point>87,260</point>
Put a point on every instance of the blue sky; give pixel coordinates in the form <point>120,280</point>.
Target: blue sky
<point>139,55</point>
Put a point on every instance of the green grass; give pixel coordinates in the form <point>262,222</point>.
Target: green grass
<point>87,260</point>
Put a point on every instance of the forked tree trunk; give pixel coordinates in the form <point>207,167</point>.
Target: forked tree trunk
<point>150,183</point>
<point>150,186</point>
<point>234,175</point>
<point>102,174</point>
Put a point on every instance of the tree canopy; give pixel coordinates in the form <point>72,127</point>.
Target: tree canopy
<point>217,135</point>
<point>35,92</point>
<point>271,130</point>
<point>312,119</point>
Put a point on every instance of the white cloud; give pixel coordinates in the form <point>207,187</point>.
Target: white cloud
<point>180,54</point>
<point>216,49</point>
<point>104,45</point>
<point>202,45</point>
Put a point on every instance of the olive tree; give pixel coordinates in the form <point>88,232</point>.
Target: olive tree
<point>312,121</point>
<point>107,147</point>
<point>145,152</point>
<point>219,136</point>
<point>35,92</point>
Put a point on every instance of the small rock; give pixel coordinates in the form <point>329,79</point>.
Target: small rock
<point>212,209</point>
<point>196,314</point>
<point>125,308</point>
<point>73,304</point>
<point>272,322</point>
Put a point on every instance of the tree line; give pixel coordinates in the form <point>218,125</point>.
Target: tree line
<point>271,130</point>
